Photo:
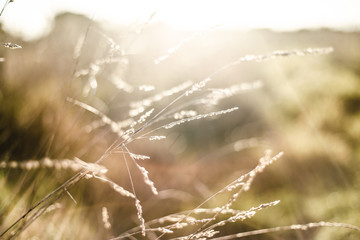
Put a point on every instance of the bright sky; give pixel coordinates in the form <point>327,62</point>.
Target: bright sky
<point>32,18</point>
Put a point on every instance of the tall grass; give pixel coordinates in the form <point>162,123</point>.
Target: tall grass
<point>151,118</point>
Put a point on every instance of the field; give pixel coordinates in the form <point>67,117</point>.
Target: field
<point>149,121</point>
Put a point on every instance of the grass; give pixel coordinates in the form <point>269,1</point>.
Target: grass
<point>89,127</point>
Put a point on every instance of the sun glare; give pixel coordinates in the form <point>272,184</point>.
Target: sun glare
<point>202,14</point>
<point>31,18</point>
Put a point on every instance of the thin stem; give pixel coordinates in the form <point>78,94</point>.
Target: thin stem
<point>302,227</point>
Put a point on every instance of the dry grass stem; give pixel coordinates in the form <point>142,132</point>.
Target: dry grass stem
<point>302,227</point>
<point>278,54</point>
<point>146,88</point>
<point>11,45</point>
<point>140,217</point>
<point>105,218</point>
<point>114,186</point>
<point>154,138</point>
<point>63,164</point>
<point>218,94</point>
<point>139,106</point>
<point>200,116</point>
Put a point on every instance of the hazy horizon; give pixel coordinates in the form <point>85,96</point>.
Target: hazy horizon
<point>32,19</point>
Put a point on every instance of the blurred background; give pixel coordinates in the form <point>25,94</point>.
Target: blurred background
<point>110,54</point>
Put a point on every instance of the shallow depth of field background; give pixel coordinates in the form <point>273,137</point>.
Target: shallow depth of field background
<point>308,107</point>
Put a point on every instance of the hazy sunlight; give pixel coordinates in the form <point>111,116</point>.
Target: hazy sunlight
<point>32,18</point>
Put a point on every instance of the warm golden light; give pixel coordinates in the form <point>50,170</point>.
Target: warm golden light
<point>32,18</point>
